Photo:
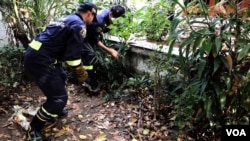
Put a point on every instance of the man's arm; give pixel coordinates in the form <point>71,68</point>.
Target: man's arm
<point>111,51</point>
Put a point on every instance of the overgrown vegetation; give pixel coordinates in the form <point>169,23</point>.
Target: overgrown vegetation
<point>11,69</point>
<point>214,63</point>
<point>156,15</point>
<point>111,72</point>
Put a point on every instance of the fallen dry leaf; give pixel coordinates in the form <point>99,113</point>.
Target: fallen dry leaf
<point>82,137</point>
<point>80,117</point>
<point>62,132</point>
<point>101,137</point>
<point>146,131</point>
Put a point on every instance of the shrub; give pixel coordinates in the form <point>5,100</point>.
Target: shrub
<point>10,68</point>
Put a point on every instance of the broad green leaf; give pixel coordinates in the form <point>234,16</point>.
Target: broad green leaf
<point>197,43</point>
<point>206,46</point>
<point>188,40</point>
<point>203,86</point>
<point>202,66</point>
<point>174,25</point>
<point>208,103</point>
<point>217,63</point>
<point>218,44</point>
<point>204,6</point>
<point>171,46</point>
<point>243,52</point>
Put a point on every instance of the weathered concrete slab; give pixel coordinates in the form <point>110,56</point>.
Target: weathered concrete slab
<point>3,36</point>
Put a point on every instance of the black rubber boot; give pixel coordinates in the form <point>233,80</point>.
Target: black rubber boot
<point>34,135</point>
<point>63,114</point>
<point>53,121</point>
<point>38,123</point>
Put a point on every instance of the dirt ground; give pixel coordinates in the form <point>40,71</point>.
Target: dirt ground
<point>90,118</point>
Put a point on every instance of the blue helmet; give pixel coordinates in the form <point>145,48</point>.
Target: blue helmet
<point>87,6</point>
<point>117,11</point>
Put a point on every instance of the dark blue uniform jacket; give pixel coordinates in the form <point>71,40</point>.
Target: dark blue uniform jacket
<point>98,26</point>
<point>62,40</point>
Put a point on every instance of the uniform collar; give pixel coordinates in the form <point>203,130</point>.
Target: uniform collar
<point>78,14</point>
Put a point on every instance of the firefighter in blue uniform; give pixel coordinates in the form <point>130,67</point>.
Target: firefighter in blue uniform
<point>99,25</point>
<point>62,40</point>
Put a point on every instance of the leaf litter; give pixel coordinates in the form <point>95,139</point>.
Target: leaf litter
<point>91,118</point>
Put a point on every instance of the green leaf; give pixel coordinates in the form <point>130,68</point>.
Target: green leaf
<point>208,103</point>
<point>223,100</point>
<point>197,43</point>
<point>217,89</point>
<point>171,46</point>
<point>202,66</point>
<point>188,40</point>
<point>205,47</point>
<point>174,25</point>
<point>203,6</point>
<point>218,44</point>
<point>243,52</point>
<point>228,82</point>
<point>203,86</point>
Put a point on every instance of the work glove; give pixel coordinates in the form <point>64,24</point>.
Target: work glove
<point>80,73</point>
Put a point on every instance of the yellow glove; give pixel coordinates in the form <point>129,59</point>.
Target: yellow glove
<point>80,73</point>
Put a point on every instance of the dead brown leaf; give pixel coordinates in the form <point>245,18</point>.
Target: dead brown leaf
<point>62,132</point>
<point>2,109</point>
<point>101,137</point>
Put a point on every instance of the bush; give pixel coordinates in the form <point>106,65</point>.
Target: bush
<point>214,63</point>
<point>10,68</point>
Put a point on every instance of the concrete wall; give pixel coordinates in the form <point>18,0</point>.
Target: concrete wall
<point>3,37</point>
<point>140,53</point>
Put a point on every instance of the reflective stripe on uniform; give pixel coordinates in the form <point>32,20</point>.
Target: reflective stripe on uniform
<point>74,62</point>
<point>35,44</point>
<point>44,120</point>
<point>52,115</point>
<point>88,67</point>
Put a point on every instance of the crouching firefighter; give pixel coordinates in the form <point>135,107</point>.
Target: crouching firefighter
<point>93,43</point>
<point>61,41</point>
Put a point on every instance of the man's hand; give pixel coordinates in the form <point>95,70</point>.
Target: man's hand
<point>109,50</point>
<point>114,53</point>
